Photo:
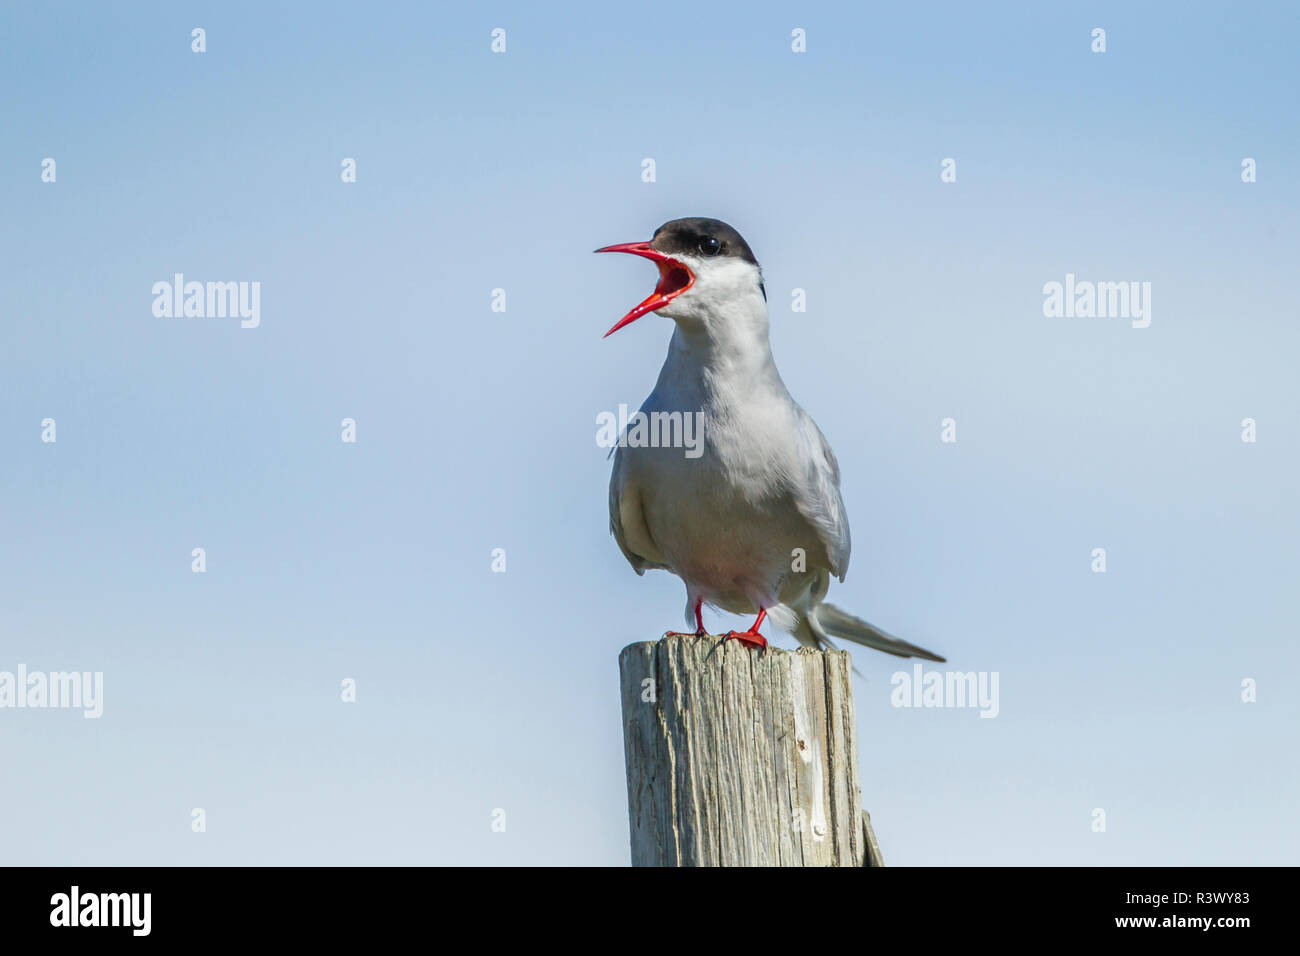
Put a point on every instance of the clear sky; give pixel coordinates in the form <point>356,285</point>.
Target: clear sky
<point>372,560</point>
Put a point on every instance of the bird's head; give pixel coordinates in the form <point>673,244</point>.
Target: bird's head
<point>706,273</point>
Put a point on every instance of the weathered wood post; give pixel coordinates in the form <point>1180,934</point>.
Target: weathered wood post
<point>736,758</point>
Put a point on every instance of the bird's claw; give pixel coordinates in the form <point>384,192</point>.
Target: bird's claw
<point>748,638</point>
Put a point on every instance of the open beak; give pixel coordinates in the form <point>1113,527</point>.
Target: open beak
<point>674,279</point>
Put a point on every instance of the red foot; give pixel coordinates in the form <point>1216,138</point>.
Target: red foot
<point>751,638</point>
<point>748,638</point>
<point>699,623</point>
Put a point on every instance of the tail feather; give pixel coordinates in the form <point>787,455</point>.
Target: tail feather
<point>827,618</point>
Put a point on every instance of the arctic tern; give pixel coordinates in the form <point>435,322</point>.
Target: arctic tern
<point>754,525</point>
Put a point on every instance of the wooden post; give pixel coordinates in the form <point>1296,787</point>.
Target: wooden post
<point>736,758</point>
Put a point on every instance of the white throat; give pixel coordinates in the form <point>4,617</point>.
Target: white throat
<point>724,314</point>
<point>721,339</point>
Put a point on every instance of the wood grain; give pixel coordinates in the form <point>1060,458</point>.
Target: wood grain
<point>740,758</point>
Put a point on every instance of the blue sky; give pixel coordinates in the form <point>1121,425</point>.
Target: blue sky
<point>476,429</point>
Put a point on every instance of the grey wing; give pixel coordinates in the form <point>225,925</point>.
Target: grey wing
<point>627,522</point>
<point>819,501</point>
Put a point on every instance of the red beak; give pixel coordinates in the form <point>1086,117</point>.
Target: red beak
<point>674,279</point>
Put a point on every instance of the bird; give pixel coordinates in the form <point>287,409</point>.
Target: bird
<point>754,523</point>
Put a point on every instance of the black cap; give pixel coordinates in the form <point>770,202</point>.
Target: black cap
<point>697,236</point>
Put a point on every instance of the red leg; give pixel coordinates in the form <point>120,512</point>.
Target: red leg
<point>699,623</point>
<point>751,638</point>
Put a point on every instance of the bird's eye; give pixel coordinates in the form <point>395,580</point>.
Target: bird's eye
<point>710,246</point>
